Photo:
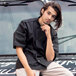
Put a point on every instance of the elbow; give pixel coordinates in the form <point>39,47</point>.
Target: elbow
<point>50,58</point>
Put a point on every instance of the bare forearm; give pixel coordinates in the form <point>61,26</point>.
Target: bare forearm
<point>22,58</point>
<point>49,47</point>
<point>49,50</point>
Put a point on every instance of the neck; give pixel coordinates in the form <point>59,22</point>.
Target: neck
<point>40,21</point>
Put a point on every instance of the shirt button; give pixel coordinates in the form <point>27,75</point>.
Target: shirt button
<point>38,60</point>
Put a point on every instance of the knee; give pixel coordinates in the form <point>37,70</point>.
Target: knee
<point>68,73</point>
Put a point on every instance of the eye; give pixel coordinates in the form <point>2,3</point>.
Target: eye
<point>49,13</point>
<point>54,16</point>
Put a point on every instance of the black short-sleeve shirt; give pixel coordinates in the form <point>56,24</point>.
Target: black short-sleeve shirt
<point>32,39</point>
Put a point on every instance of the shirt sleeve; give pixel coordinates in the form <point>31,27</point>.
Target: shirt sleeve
<point>55,43</point>
<point>19,36</point>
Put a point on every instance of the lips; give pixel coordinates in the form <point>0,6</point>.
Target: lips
<point>47,21</point>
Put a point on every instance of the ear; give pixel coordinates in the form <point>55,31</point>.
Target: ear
<point>42,10</point>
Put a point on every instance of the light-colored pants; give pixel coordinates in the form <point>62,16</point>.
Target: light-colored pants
<point>53,69</point>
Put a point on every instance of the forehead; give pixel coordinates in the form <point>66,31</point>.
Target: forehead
<point>51,9</point>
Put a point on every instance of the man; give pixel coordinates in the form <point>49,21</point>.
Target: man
<point>36,44</point>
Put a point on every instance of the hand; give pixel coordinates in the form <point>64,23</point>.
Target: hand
<point>46,29</point>
<point>31,73</point>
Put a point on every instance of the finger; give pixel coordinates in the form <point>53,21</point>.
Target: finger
<point>43,28</point>
<point>34,74</point>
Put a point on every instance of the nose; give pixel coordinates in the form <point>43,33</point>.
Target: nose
<point>50,17</point>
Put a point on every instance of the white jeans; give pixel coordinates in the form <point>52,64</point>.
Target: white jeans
<point>53,69</point>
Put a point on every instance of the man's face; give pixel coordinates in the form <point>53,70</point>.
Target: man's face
<point>48,15</point>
